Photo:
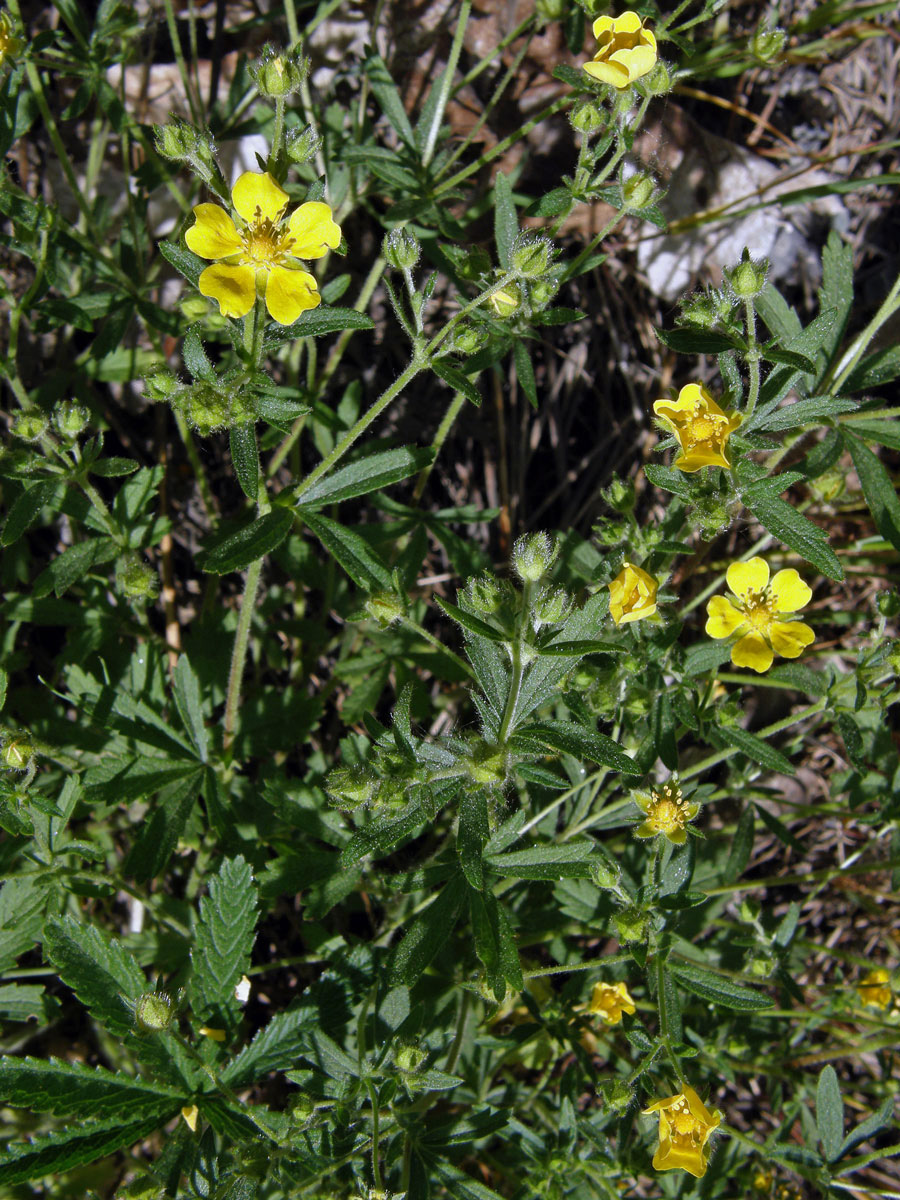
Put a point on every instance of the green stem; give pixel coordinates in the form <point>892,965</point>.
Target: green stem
<point>508,277</point>
<point>446,83</point>
<point>713,760</point>
<point>459,1035</point>
<point>239,651</point>
<point>359,428</point>
<point>278,132</point>
<point>443,432</point>
<point>415,627</point>
<point>518,665</point>
<point>752,359</point>
<point>172,25</point>
<point>857,349</point>
<point>572,269</point>
<point>376,1165</point>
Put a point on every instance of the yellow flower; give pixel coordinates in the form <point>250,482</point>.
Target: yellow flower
<point>609,1001</point>
<point>667,813</point>
<point>632,595</point>
<point>261,257</point>
<point>874,988</point>
<point>9,45</point>
<point>625,50</point>
<point>685,1124</point>
<point>753,614</point>
<point>702,428</point>
<point>191,1112</point>
<point>215,1035</point>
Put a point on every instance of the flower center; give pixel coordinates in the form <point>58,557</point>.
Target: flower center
<point>758,607</point>
<point>685,1127</point>
<point>266,244</point>
<point>704,428</point>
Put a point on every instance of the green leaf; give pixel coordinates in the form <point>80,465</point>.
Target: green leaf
<point>869,1127</point>
<point>836,292</point>
<point>352,552</point>
<point>48,492</point>
<point>73,1089</point>
<point>367,474</point>
<point>788,358</point>
<point>830,1113</point>
<point>877,488</point>
<point>388,97</point>
<point>183,260</point>
<point>469,621</point>
<point>705,656</point>
<point>24,1002</point>
<point>741,846</point>
<point>195,358</point>
<point>506,223</point>
<point>254,541</point>
<point>158,837</point>
<point>525,372</point>
<point>317,322</point>
<point>756,749</point>
<point>73,565</point>
<point>719,989</point>
<point>569,860</point>
<point>380,838</point>
<point>101,973</point>
<point>474,831</point>
<point>330,1058</point>
<point>874,370</point>
<point>552,203</point>
<point>187,701</point>
<point>75,1146</point>
<point>222,943</point>
<point>245,458</point>
<point>495,944</point>
<point>579,647</point>
<point>780,318</point>
<point>276,1046</point>
<point>669,480</point>
<point>113,467</point>
<point>453,376</point>
<point>697,341</point>
<point>429,931</point>
<point>794,530</point>
<point>580,742</point>
<point>806,412</point>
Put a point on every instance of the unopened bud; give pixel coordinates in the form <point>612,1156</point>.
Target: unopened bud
<point>137,581</point>
<point>588,115</point>
<point>302,145</point>
<point>154,1012</point>
<point>552,608</point>
<point>888,603</point>
<point>531,256</point>
<point>468,338</point>
<point>70,419</point>
<point>551,10</point>
<point>748,278</point>
<point>385,608</point>
<point>16,753</point>
<point>30,426</point>
<point>484,594</point>
<point>631,925</point>
<point>700,310</point>
<point>542,292</point>
<point>533,554</point>
<point>178,140</point>
<point>349,787</point>
<point>638,191</point>
<point>409,1058</point>
<point>616,1094</point>
<point>401,249</point>
<point>488,765</point>
<point>505,301</point>
<point>620,495</point>
<point>161,384</point>
<point>278,74</point>
<point>767,44</point>
<point>659,81</point>
<point>604,876</point>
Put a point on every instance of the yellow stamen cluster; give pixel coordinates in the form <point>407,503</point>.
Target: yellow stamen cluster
<point>666,813</point>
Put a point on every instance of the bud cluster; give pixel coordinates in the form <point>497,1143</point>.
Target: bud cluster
<point>179,141</point>
<point>207,407</point>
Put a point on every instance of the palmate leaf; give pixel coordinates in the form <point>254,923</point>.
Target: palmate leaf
<point>101,973</point>
<point>276,1046</point>
<point>222,943</point>
<point>77,1145</point>
<point>72,1089</point>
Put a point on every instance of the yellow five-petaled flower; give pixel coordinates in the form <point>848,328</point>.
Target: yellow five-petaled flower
<point>632,595</point>
<point>874,988</point>
<point>609,1001</point>
<point>625,50</point>
<point>753,616</point>
<point>702,428</point>
<point>685,1125</point>
<point>261,256</point>
<point>666,813</point>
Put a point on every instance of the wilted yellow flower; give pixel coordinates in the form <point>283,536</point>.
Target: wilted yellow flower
<point>9,45</point>
<point>214,1035</point>
<point>632,595</point>
<point>702,428</point>
<point>609,1001</point>
<point>874,988</point>
<point>753,615</point>
<point>190,1112</point>
<point>262,256</point>
<point>505,301</point>
<point>625,50</point>
<point>685,1124</point>
<point>666,811</point>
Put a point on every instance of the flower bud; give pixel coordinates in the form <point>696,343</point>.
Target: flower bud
<point>888,603</point>
<point>552,607</point>
<point>620,495</point>
<point>161,384</point>
<point>302,145</point>
<point>385,608</point>
<point>154,1012</point>
<point>659,81</point>
<point>700,309</point>
<point>533,555</point>
<point>588,115</point>
<point>301,1109</point>
<point>484,594</point>
<point>767,44</point>
<point>542,292</point>
<point>631,925</point>
<point>137,581</point>
<point>638,191</point>
<point>488,765</point>
<point>30,426</point>
<point>551,10</point>
<point>748,278</point>
<point>468,338</point>
<point>349,787</point>
<point>401,249</point>
<point>177,141</point>
<point>604,876</point>
<point>505,301</point>
<point>531,256</point>
<point>70,419</point>
<point>209,407</point>
<point>10,45</point>
<point>616,1094</point>
<point>16,753</point>
<point>278,74</point>
<point>409,1057</point>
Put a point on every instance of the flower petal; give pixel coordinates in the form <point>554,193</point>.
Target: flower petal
<point>698,457</point>
<point>752,651</point>
<point>313,230</point>
<point>608,72</point>
<point>701,398</point>
<point>746,577</point>
<point>213,234</point>
<point>258,191</point>
<point>660,1105</point>
<point>234,286</point>
<point>639,61</point>
<point>629,22</point>
<point>724,618</point>
<point>789,592</point>
<point>790,638</point>
<point>603,25</point>
<point>289,293</point>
